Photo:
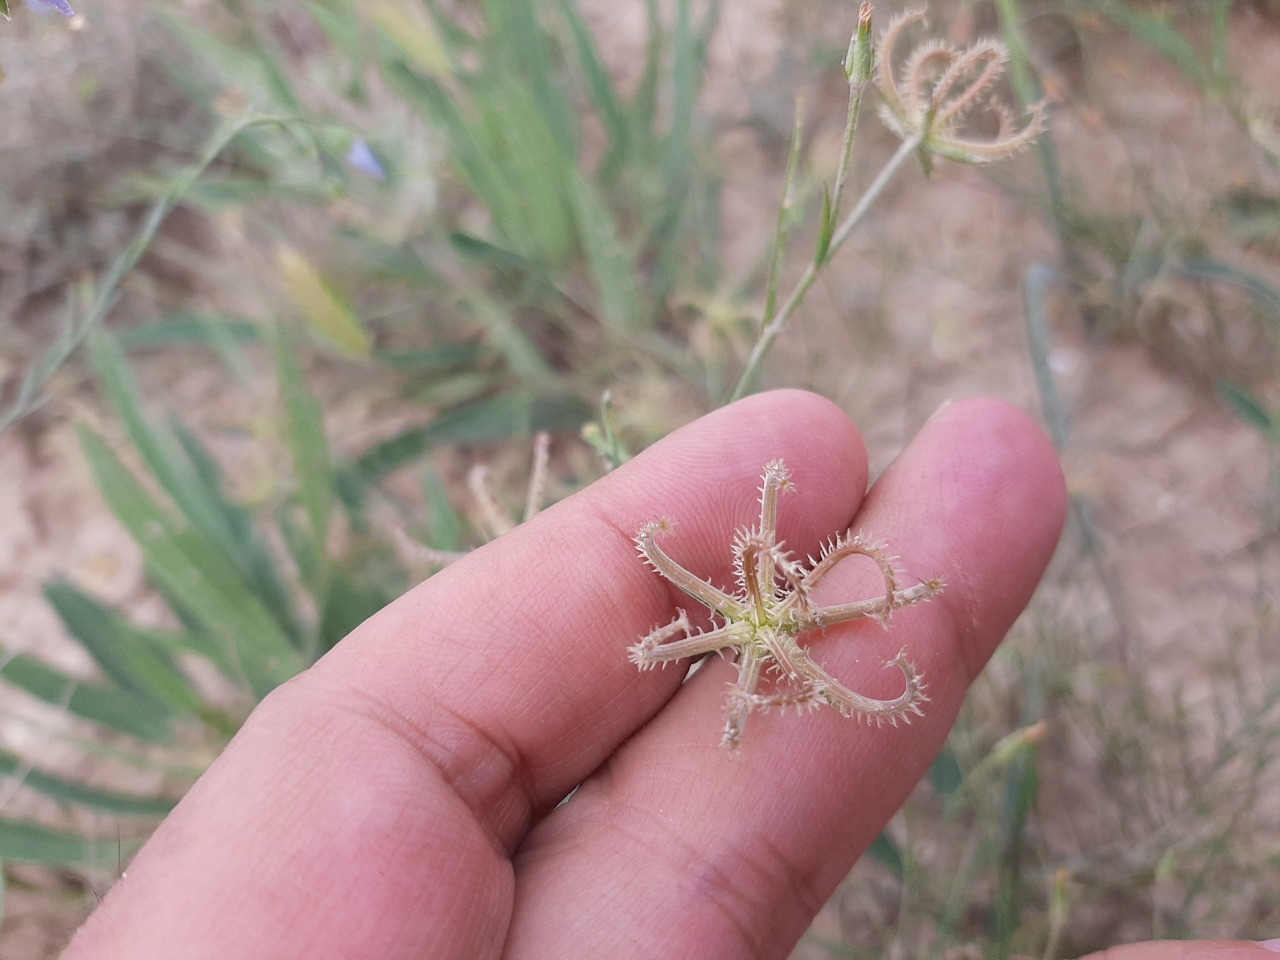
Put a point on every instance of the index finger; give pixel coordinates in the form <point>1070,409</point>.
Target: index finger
<point>370,806</point>
<point>515,657</point>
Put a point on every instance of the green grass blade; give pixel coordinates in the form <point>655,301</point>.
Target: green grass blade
<point>74,792</point>
<point>191,328</point>
<point>1155,30</point>
<point>503,260</point>
<point>644,104</point>
<point>354,597</point>
<point>446,524</point>
<point>129,659</point>
<point>1265,297</point>
<point>192,479</point>
<point>613,268</point>
<point>826,227</point>
<point>195,571</point>
<point>164,458</point>
<point>945,775</point>
<point>487,420</point>
<point>110,707</point>
<point>1250,408</point>
<point>525,362</point>
<point>684,87</point>
<point>249,554</point>
<point>28,842</point>
<point>437,358</point>
<point>885,851</point>
<point>473,159</point>
<point>304,433</point>
<point>522,50</point>
<point>599,86</point>
<point>415,39</point>
<point>536,164</point>
<point>324,308</point>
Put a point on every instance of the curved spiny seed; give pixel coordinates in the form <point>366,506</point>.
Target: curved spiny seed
<point>775,482</point>
<point>885,58</point>
<point>981,66</point>
<point>702,591</point>
<point>893,710</point>
<point>642,653</point>
<point>917,81</point>
<point>841,548</point>
<point>805,697</point>
<point>937,85</point>
<point>793,574</point>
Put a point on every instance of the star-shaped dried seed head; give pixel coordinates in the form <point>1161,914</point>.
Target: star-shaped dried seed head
<point>771,607</point>
<point>938,87</point>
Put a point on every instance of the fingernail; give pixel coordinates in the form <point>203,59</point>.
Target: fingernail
<point>1272,945</point>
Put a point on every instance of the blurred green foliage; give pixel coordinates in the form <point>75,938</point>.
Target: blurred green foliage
<point>516,228</point>
<point>489,166</point>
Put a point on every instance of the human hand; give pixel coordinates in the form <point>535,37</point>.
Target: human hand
<point>399,799</point>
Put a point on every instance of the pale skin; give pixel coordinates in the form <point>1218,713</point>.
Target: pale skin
<point>399,799</point>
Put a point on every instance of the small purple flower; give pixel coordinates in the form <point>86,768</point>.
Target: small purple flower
<point>61,6</point>
<point>361,157</point>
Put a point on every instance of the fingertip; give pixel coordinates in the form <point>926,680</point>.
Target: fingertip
<point>992,445</point>
<point>980,499</point>
<point>1189,950</point>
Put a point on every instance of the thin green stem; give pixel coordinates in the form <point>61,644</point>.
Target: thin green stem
<point>770,330</point>
<point>108,292</point>
<point>858,68</point>
<point>784,207</point>
<point>846,149</point>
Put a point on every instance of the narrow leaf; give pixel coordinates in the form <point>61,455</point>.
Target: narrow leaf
<point>477,421</point>
<point>304,432</point>
<point>74,792</point>
<point>110,707</point>
<point>598,83</point>
<point>186,484</point>
<point>446,524</point>
<point>1250,408</point>
<point>416,38</point>
<point>613,268</point>
<point>28,842</point>
<point>195,571</point>
<point>128,658</point>
<point>886,852</point>
<point>945,774</point>
<point>321,305</point>
<point>826,227</point>
<point>432,359</point>
<point>181,329</point>
<point>236,535</point>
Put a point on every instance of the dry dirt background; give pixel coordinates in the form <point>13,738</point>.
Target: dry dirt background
<point>924,305</point>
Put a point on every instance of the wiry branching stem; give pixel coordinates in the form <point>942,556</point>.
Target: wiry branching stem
<point>926,101</point>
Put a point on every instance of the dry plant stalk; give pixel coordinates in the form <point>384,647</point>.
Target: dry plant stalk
<point>490,517</point>
<point>926,101</point>
<point>772,607</point>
